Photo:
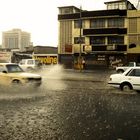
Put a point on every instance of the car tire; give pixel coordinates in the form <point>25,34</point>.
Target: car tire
<point>126,87</point>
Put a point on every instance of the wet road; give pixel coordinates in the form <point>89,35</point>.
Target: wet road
<point>68,108</point>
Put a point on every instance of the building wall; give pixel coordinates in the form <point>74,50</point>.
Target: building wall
<point>15,39</point>
<point>65,35</point>
<point>120,33</point>
<point>134,31</point>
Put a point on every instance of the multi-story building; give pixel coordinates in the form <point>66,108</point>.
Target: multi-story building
<point>15,39</point>
<point>103,38</point>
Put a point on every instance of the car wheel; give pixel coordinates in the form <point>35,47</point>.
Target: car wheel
<point>120,71</point>
<point>126,87</point>
<point>16,82</point>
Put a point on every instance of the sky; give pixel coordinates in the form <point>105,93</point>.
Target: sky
<point>39,17</point>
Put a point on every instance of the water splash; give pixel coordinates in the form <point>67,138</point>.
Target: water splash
<point>52,78</point>
<point>51,81</point>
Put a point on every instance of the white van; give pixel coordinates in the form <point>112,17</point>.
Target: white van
<point>29,64</point>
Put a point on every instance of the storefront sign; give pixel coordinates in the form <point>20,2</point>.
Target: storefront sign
<point>47,59</point>
<point>88,48</point>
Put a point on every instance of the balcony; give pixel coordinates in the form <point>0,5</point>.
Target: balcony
<point>94,14</point>
<point>104,31</point>
<point>115,48</point>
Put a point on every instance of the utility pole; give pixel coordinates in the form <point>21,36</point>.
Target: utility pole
<point>80,41</point>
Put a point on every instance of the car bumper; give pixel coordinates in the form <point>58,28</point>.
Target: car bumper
<point>117,85</point>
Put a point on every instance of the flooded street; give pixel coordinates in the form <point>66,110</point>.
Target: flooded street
<point>69,105</point>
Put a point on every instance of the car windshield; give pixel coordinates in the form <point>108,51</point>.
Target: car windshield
<point>13,68</point>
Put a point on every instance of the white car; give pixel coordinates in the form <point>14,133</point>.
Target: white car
<point>13,74</point>
<point>128,80</point>
<point>124,68</point>
<point>29,64</point>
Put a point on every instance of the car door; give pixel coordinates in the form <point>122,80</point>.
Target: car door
<point>4,77</point>
<point>134,78</point>
<point>22,64</point>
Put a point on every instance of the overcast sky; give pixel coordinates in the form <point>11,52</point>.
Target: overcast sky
<point>39,17</point>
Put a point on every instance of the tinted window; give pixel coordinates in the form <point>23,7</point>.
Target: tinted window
<point>135,72</point>
<point>13,68</point>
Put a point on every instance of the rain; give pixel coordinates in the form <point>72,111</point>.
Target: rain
<point>70,104</point>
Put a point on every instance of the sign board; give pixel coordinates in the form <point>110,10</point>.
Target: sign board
<point>68,48</point>
<point>46,59</point>
<point>88,48</point>
<point>111,47</point>
<point>5,56</point>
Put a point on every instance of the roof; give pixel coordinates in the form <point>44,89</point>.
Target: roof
<point>69,7</point>
<point>115,1</point>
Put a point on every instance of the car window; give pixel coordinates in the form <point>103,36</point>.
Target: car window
<point>30,62</point>
<point>135,72</point>
<point>13,68</point>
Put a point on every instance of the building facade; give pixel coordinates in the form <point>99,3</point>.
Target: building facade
<point>103,38</point>
<point>16,39</point>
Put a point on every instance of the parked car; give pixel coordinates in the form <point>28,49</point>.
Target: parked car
<point>129,80</point>
<point>13,74</point>
<point>121,69</point>
<point>29,64</point>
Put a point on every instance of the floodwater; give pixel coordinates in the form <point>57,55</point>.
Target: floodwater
<point>66,107</point>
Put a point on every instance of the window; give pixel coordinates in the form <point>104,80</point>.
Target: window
<point>30,62</point>
<point>79,23</point>
<point>135,72</point>
<point>132,25</point>
<point>115,22</point>
<point>97,40</point>
<point>116,40</point>
<point>77,40</point>
<point>97,23</point>
<point>13,68</point>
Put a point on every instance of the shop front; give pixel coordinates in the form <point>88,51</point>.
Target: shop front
<point>100,61</point>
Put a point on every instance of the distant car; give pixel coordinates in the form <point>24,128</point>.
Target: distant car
<point>29,64</point>
<point>121,69</point>
<point>13,74</point>
<point>129,80</point>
